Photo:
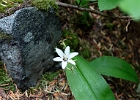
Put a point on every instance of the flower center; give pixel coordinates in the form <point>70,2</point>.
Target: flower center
<point>65,58</point>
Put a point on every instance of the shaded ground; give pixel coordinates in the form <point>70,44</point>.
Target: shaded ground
<point>101,36</point>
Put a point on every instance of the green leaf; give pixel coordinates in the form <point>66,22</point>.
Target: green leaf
<point>131,7</point>
<point>78,1</point>
<point>107,4</point>
<point>115,67</point>
<point>85,83</point>
<point>82,2</point>
<point>92,0</point>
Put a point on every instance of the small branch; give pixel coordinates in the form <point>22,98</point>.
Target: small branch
<point>90,10</point>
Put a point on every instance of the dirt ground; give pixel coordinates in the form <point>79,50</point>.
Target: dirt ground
<point>102,36</point>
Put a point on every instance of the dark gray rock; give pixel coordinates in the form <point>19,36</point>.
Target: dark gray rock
<point>27,40</point>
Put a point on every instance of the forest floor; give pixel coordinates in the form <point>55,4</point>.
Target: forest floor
<point>100,36</point>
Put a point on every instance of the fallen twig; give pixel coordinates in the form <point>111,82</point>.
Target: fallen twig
<point>91,10</point>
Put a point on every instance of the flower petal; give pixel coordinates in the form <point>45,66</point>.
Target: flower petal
<point>71,61</point>
<point>64,64</point>
<point>57,59</point>
<point>67,51</point>
<point>73,54</point>
<point>59,52</point>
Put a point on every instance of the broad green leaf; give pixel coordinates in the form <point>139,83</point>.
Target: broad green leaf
<point>115,67</point>
<point>131,7</point>
<point>87,84</point>
<point>107,4</point>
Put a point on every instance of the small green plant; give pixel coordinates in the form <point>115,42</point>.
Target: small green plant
<point>86,77</point>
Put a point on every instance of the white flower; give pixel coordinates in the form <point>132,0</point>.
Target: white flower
<point>65,57</point>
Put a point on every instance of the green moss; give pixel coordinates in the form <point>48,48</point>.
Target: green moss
<point>5,4</point>
<point>76,45</point>
<point>44,4</point>
<point>85,53</point>
<point>109,26</point>
<point>1,63</point>
<point>49,76</point>
<point>46,77</point>
<point>5,80</point>
<point>70,39</point>
<point>85,50</point>
<point>4,36</point>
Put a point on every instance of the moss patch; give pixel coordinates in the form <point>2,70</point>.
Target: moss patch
<point>5,80</point>
<point>4,36</point>
<point>44,80</point>
<point>5,4</point>
<point>70,39</point>
<point>76,44</point>
<point>44,4</point>
<point>49,76</point>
